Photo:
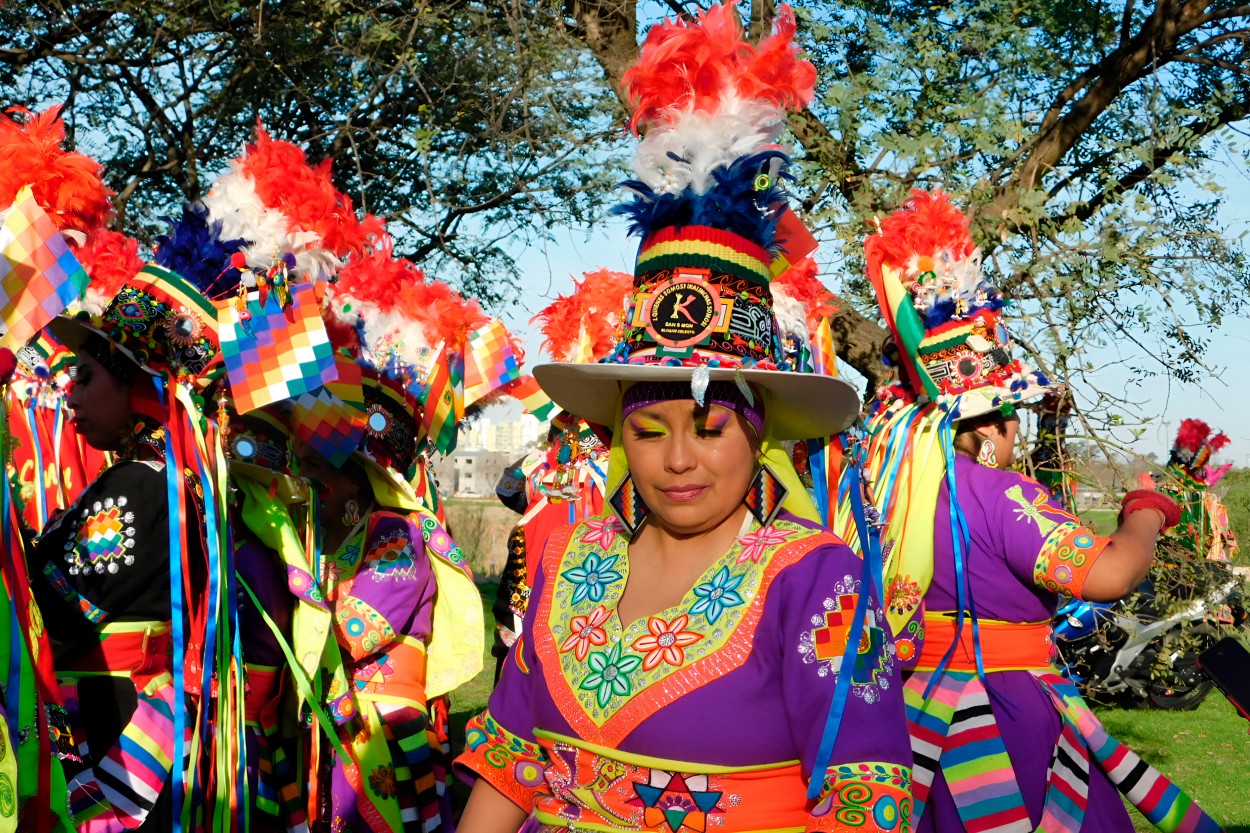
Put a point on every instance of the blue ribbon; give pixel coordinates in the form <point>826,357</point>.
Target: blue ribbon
<point>817,451</point>
<point>173,475</point>
<point>960,538</point>
<point>871,573</point>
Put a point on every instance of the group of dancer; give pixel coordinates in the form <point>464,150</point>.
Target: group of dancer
<point>736,600</point>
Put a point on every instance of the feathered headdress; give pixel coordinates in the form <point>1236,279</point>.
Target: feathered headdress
<point>942,312</point>
<point>584,325</point>
<point>706,202</point>
<point>66,184</point>
<point>280,204</point>
<point>1195,445</point>
<point>712,107</point>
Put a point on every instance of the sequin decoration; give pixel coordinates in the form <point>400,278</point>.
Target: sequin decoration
<point>104,540</point>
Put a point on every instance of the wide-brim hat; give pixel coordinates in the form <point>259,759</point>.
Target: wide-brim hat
<point>702,304</point>
<point>800,405</point>
<point>158,320</point>
<point>1030,386</point>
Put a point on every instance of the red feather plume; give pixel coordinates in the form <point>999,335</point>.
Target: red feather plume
<point>379,277</point>
<point>801,284</point>
<point>110,258</point>
<point>66,184</point>
<point>690,65</point>
<point>594,307</point>
<point>306,195</point>
<point>444,313</point>
<point>925,225</point>
<point>1192,434</point>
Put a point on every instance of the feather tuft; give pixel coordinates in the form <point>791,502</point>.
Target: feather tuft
<point>66,184</point>
<point>691,66</point>
<point>583,325</point>
<point>195,249</point>
<point>110,258</point>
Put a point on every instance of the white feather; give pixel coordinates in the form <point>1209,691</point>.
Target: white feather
<point>791,315</point>
<point>703,142</point>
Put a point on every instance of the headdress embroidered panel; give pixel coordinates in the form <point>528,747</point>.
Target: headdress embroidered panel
<point>607,677</point>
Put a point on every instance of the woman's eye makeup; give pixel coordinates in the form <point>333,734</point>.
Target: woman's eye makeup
<point>713,424</point>
<point>645,427</point>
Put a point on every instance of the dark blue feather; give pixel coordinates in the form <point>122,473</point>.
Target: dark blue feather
<point>733,203</point>
<point>194,249</point>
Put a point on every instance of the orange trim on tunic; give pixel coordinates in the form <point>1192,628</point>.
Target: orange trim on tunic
<point>689,678</point>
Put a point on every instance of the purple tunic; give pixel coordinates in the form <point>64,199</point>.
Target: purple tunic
<point>757,642</point>
<point>381,587</point>
<point>1006,542</point>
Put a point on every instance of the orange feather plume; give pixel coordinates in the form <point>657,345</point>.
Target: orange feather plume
<point>801,284</point>
<point>694,65</point>
<point>306,195</point>
<point>110,258</point>
<point>66,184</point>
<point>927,223</point>
<point>592,311</point>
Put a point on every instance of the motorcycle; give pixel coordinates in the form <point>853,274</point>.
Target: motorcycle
<point>1145,647</point>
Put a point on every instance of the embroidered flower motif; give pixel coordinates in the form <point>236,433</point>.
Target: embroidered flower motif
<point>754,544</point>
<point>592,578</point>
<point>586,631</point>
<point>610,674</point>
<point>665,642</point>
<point>902,595</point>
<point>602,531</point>
<point>717,594</point>
<point>383,781</point>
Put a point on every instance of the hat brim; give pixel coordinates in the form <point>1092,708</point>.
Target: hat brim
<point>982,401</point>
<point>802,406</point>
<point>74,332</point>
<point>389,489</point>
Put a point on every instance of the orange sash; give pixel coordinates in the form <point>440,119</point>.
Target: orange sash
<point>1005,646</point>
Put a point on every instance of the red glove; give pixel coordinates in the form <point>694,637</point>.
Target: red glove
<point>1150,499</point>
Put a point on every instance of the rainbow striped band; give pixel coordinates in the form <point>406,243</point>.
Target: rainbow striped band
<point>706,248</point>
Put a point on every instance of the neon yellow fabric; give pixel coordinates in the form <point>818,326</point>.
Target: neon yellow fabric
<point>457,632</point>
<point>909,504</point>
<point>388,490</point>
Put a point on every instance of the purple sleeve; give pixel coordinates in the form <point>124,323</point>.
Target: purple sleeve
<point>1044,544</point>
<point>392,593</point>
<point>814,607</point>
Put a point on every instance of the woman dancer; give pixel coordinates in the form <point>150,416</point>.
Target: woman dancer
<point>978,556</point>
<point>660,637</point>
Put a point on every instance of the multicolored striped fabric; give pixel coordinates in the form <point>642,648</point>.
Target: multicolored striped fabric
<point>121,789</point>
<point>1163,803</point>
<point>955,729</point>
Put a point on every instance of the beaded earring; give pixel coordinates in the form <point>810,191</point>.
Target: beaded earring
<point>987,456</point>
<point>765,495</point>
<point>627,505</point>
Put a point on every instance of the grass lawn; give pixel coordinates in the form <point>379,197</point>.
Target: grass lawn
<point>1207,752</point>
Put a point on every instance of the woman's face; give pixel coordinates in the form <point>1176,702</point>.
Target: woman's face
<point>334,485</point>
<point>691,465</point>
<point>101,405</point>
